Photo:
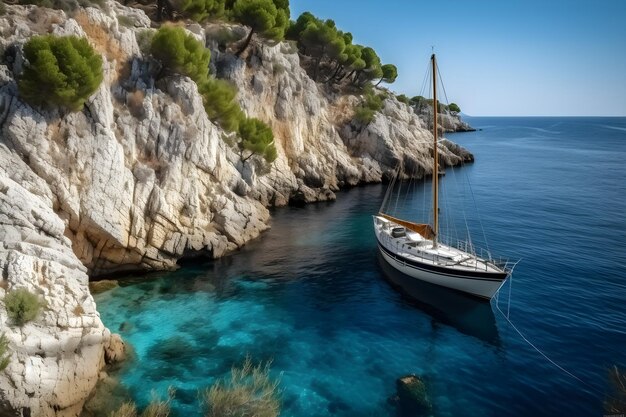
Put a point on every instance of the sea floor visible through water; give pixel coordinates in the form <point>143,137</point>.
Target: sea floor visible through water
<point>313,296</point>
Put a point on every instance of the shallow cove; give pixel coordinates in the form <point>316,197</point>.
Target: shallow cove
<point>311,293</point>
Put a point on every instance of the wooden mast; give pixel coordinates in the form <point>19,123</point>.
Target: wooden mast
<point>435,156</point>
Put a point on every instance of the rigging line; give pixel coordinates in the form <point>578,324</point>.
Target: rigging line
<point>589,386</point>
<point>388,192</point>
<point>408,190</point>
<point>395,210</point>
<point>456,234</point>
<point>392,187</point>
<point>443,87</point>
<point>478,214</point>
<point>426,78</point>
<point>469,237</point>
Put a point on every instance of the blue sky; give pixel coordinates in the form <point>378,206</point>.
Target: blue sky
<point>501,57</point>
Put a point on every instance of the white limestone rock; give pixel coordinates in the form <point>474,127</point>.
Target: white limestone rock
<point>141,177</point>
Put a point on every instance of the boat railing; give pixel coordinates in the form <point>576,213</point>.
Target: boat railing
<point>483,257</point>
<point>481,253</point>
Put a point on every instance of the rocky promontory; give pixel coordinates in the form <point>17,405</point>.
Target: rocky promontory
<point>141,178</point>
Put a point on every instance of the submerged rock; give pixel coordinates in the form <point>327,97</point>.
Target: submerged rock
<point>103,285</point>
<point>411,397</point>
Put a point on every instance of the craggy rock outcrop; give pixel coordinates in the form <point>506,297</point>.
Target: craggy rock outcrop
<point>448,121</point>
<point>140,178</point>
<point>56,358</point>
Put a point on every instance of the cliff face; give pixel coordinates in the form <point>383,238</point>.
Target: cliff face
<point>141,178</point>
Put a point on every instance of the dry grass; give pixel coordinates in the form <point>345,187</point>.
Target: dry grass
<point>78,310</point>
<point>126,410</point>
<point>134,102</point>
<point>105,44</point>
<point>249,392</point>
<point>616,402</point>
<point>156,408</point>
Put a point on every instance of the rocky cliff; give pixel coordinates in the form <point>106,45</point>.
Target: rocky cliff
<point>141,178</point>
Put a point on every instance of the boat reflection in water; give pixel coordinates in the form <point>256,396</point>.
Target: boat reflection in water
<point>469,315</point>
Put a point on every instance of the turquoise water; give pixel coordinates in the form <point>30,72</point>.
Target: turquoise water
<point>312,295</point>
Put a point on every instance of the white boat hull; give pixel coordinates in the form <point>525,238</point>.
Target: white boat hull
<point>479,287</point>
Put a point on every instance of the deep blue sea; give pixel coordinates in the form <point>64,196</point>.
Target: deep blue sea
<point>312,295</point>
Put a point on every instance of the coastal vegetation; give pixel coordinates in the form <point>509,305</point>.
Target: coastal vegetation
<point>181,53</point>
<point>156,408</point>
<point>266,17</point>
<point>22,305</point>
<point>419,103</point>
<point>250,391</point>
<point>5,356</point>
<point>372,103</point>
<point>331,53</point>
<point>257,138</point>
<point>59,71</point>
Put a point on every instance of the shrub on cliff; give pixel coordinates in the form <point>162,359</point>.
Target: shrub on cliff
<point>334,55</point>
<point>390,73</point>
<point>180,53</point>
<point>257,138</point>
<point>199,10</point>
<point>269,18</point>
<point>4,352</point>
<point>249,392</point>
<point>372,103</point>
<point>454,107</point>
<point>59,71</point>
<point>22,306</point>
<point>220,103</point>
<point>403,99</point>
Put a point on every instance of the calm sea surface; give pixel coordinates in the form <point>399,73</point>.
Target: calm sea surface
<point>312,295</point>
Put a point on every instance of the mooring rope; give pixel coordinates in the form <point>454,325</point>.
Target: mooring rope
<point>532,345</point>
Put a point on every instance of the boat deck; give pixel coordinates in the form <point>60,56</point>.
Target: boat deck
<point>413,246</point>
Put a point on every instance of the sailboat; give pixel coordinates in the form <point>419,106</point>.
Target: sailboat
<point>418,251</point>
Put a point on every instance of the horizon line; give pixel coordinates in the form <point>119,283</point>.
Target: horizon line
<point>505,115</point>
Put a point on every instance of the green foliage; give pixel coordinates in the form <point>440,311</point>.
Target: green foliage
<point>199,10</point>
<point>390,73</point>
<point>5,357</point>
<point>59,71</point>
<point>181,53</point>
<point>454,108</point>
<point>334,53</point>
<point>266,17</point>
<point>22,306</point>
<point>372,103</point>
<point>420,102</point>
<point>249,392</point>
<point>296,28</point>
<point>373,67</point>
<point>417,101</point>
<point>403,99</point>
<point>257,138</point>
<point>220,103</point>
